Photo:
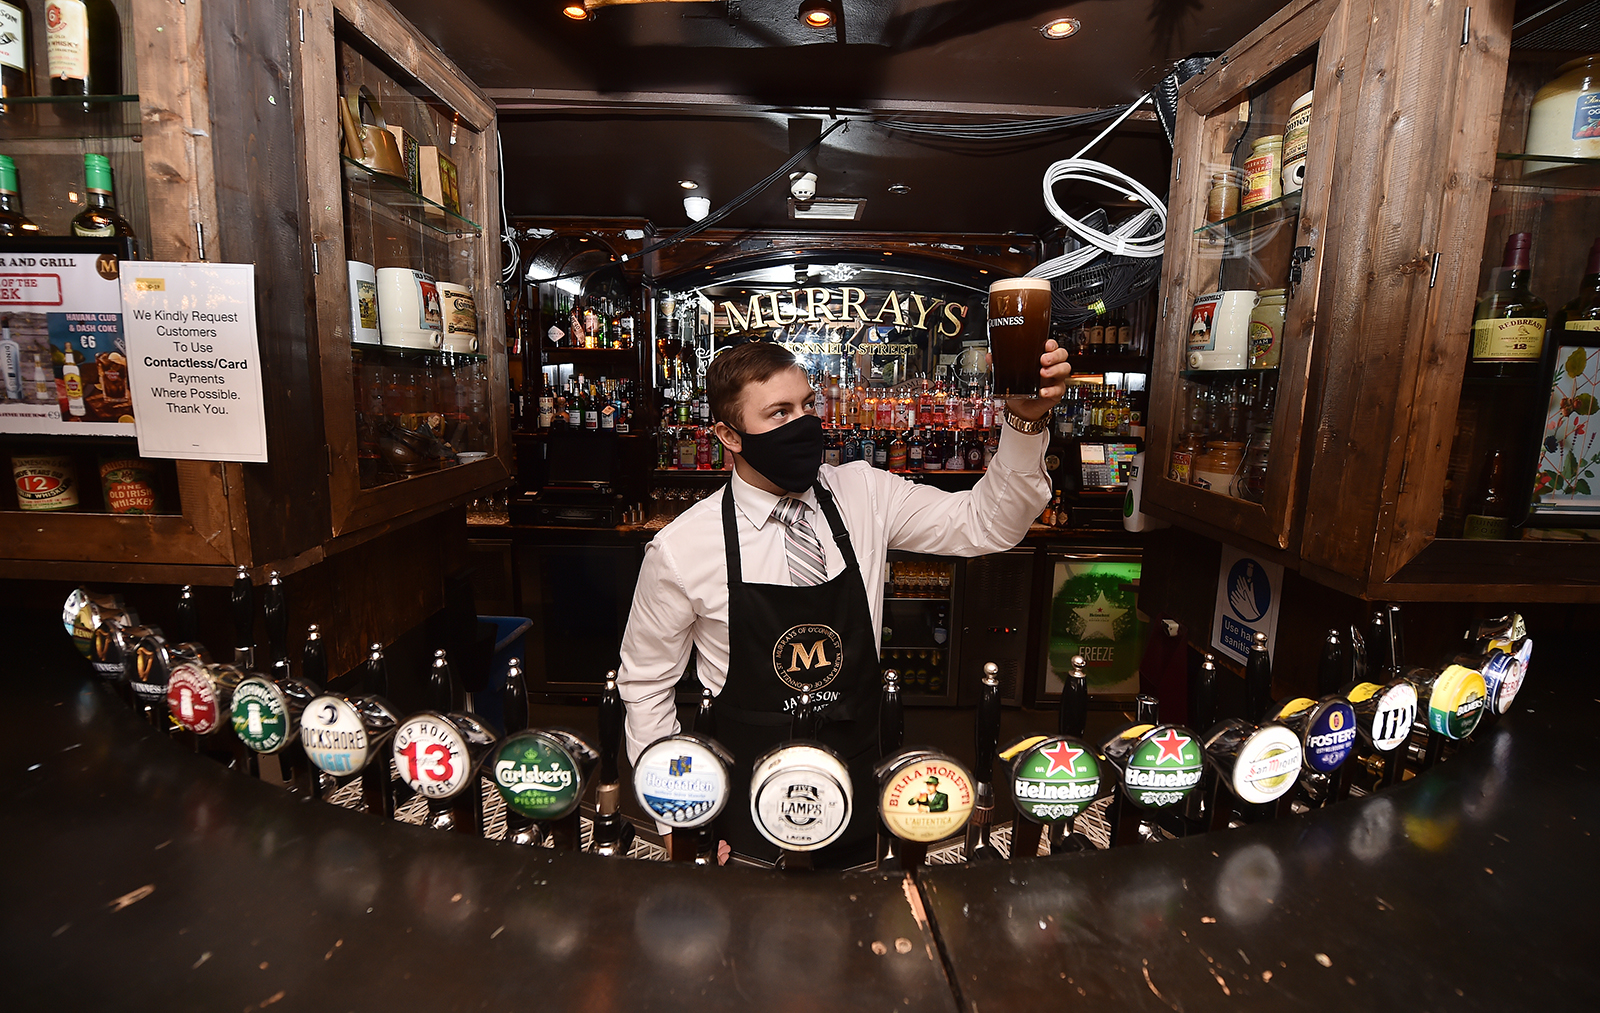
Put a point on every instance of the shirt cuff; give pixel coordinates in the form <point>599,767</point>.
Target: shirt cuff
<point>1022,452</point>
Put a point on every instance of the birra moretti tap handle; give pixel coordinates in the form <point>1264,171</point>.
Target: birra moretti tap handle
<point>275,607</point>
<point>242,599</point>
<point>924,796</point>
<point>1074,709</point>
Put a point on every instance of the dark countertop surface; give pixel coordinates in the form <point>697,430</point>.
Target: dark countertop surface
<point>141,876</point>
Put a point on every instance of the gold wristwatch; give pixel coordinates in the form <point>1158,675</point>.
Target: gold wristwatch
<point>1026,427</point>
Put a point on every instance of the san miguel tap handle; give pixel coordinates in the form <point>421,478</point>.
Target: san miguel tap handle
<point>986,742</point>
<point>1257,680</point>
<point>804,724</point>
<point>514,700</point>
<point>244,612</point>
<point>441,683</point>
<point>313,657</point>
<point>1397,639</point>
<point>1147,709</point>
<point>891,715</point>
<point>376,681</point>
<point>188,620</point>
<point>275,606</point>
<point>1203,699</point>
<point>1074,712</point>
<point>705,718</point>
<point>1330,666</point>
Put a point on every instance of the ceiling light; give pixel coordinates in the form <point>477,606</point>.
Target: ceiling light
<point>1060,28</point>
<point>688,184</point>
<point>899,188</point>
<point>696,207</point>
<point>577,12</point>
<point>817,13</point>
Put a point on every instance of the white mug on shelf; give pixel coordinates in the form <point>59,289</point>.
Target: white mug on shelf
<point>363,303</point>
<point>460,317</point>
<point>1219,329</point>
<point>410,313</point>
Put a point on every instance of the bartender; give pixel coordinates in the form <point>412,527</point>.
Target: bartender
<point>777,583</point>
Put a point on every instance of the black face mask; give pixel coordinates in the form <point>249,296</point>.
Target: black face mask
<point>787,456</point>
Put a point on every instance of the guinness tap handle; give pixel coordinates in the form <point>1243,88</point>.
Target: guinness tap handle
<point>705,719</point>
<point>1257,680</point>
<point>515,699</point>
<point>441,683</point>
<point>891,715</point>
<point>275,606</point>
<point>1147,709</point>
<point>244,611</point>
<point>188,621</point>
<point>1203,698</point>
<point>1330,666</point>
<point>313,659</point>
<point>376,682</point>
<point>1074,712</point>
<point>611,721</point>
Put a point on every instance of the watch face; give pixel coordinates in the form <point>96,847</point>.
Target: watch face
<point>1055,779</point>
<point>800,797</point>
<point>1330,734</point>
<point>927,799</point>
<point>333,735</point>
<point>1163,768</point>
<point>681,782</point>
<point>431,756</point>
<point>1267,765</point>
<point>537,776</point>
<point>192,699</point>
<point>261,715</point>
<point>1456,704</point>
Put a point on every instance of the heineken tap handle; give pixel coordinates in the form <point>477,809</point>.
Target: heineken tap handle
<point>1397,639</point>
<point>987,741</point>
<point>612,715</point>
<point>1147,709</point>
<point>705,718</point>
<point>1203,696</point>
<point>275,606</point>
<point>1330,666</point>
<point>376,681</point>
<point>1074,712</point>
<point>1257,680</point>
<point>891,715</point>
<point>244,613</point>
<point>514,700</point>
<point>441,684</point>
<point>804,725</point>
<point>313,658</point>
<point>188,621</point>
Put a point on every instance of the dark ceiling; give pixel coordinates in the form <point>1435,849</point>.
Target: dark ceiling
<point>604,117</point>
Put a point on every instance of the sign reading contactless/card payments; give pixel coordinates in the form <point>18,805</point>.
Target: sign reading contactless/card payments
<point>194,362</point>
<point>1248,590</point>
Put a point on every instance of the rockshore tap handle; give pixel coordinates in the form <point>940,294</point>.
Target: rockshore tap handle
<point>1397,639</point>
<point>377,674</point>
<point>1257,680</point>
<point>244,614</point>
<point>705,719</point>
<point>1330,665</point>
<point>313,658</point>
<point>1379,645</point>
<point>1074,711</point>
<point>441,684</point>
<point>1147,709</point>
<point>275,606</point>
<point>515,699</point>
<point>188,621</point>
<point>1203,697</point>
<point>804,725</point>
<point>611,716</point>
<point>988,738</point>
<point>891,715</point>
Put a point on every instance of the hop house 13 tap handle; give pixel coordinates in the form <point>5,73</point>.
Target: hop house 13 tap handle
<point>242,599</point>
<point>1073,714</point>
<point>437,756</point>
<point>275,608</point>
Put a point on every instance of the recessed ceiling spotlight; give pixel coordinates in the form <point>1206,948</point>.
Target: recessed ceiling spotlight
<point>899,188</point>
<point>577,12</point>
<point>1060,28</point>
<point>817,13</point>
<point>688,184</point>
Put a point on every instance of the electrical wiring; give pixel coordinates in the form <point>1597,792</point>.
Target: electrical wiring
<point>508,235</point>
<point>1008,130</point>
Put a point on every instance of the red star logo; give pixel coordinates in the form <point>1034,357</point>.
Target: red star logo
<point>1062,757</point>
<point>1171,747</point>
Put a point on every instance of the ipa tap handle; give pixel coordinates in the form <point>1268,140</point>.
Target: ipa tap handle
<point>612,715</point>
<point>314,658</point>
<point>188,620</point>
<point>441,684</point>
<point>515,698</point>
<point>1257,680</point>
<point>705,718</point>
<point>1203,701</point>
<point>891,715</point>
<point>377,673</point>
<point>988,737</point>
<point>275,606</point>
<point>244,611</point>
<point>1074,712</point>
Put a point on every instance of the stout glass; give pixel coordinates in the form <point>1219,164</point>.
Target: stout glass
<point>1019,325</point>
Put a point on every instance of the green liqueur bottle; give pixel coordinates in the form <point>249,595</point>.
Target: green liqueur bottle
<point>13,223</point>
<point>1509,324</point>
<point>100,217</point>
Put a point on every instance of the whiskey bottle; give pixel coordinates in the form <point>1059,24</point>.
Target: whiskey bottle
<point>1509,323</point>
<point>83,43</point>
<point>16,61</point>
<point>13,223</point>
<point>100,217</point>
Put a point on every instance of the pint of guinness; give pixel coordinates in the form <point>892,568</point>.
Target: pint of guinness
<point>1019,325</point>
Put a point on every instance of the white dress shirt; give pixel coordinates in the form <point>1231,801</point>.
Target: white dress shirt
<point>682,596</point>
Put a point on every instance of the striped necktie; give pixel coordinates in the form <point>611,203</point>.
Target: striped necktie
<point>807,565</point>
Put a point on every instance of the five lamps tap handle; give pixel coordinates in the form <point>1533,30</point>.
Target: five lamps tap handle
<point>188,619</point>
<point>1257,680</point>
<point>612,715</point>
<point>441,684</point>
<point>313,658</point>
<point>1203,702</point>
<point>244,613</point>
<point>1074,710</point>
<point>275,606</point>
<point>988,733</point>
<point>515,699</point>
<point>891,715</point>
<point>377,673</point>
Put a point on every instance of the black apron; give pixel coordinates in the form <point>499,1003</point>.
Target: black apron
<point>781,637</point>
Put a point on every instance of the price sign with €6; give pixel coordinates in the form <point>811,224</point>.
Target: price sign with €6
<point>431,756</point>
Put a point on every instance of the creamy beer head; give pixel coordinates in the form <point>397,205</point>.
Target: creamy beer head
<point>1019,325</point>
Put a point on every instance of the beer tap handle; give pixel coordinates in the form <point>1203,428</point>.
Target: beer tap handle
<point>244,612</point>
<point>1397,640</point>
<point>1330,666</point>
<point>1074,711</point>
<point>987,741</point>
<point>891,715</point>
<point>803,725</point>
<point>515,699</point>
<point>705,718</point>
<point>441,684</point>
<point>1379,645</point>
<point>313,658</point>
<point>275,606</point>
<point>1203,698</point>
<point>1257,680</point>
<point>613,834</point>
<point>1147,709</point>
<point>1355,656</point>
<point>188,621</point>
<point>612,715</point>
<point>377,673</point>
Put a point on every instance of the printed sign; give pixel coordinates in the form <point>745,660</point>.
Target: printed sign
<point>681,782</point>
<point>334,737</point>
<point>431,756</point>
<point>1267,766</point>
<point>260,715</point>
<point>192,699</point>
<point>1054,779</point>
<point>194,363</point>
<point>1248,592</point>
<point>927,800</point>
<point>1164,767</point>
<point>537,777</point>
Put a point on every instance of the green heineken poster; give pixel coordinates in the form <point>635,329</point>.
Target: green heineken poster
<point>1094,611</point>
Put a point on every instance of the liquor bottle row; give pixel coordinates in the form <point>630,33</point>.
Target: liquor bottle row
<point>903,406</point>
<point>48,480</point>
<point>919,671</point>
<point>1104,334</point>
<point>592,322</point>
<point>83,50</point>
<point>99,218</point>
<point>603,407</point>
<point>1373,719</point>
<point>1226,436</point>
<point>415,415</point>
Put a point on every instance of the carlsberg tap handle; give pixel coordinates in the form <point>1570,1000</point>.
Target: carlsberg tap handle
<point>515,699</point>
<point>313,659</point>
<point>275,606</point>
<point>891,715</point>
<point>1074,712</point>
<point>611,716</point>
<point>188,621</point>
<point>1330,666</point>
<point>705,719</point>
<point>441,683</point>
<point>1203,697</point>
<point>1147,709</point>
<point>376,681</point>
<point>1257,680</point>
<point>244,611</point>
